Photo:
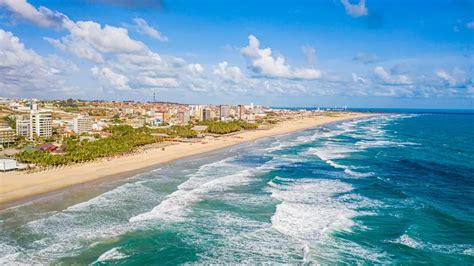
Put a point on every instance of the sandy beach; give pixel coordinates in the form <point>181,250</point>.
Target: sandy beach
<point>18,187</point>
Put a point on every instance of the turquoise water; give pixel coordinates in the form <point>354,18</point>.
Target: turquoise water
<point>397,188</point>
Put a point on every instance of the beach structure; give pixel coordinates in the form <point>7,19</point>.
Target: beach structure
<point>8,165</point>
<point>200,128</point>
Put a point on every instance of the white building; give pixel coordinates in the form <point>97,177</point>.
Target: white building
<point>81,124</point>
<point>8,164</point>
<point>23,126</point>
<point>41,123</point>
<point>7,135</point>
<point>224,112</point>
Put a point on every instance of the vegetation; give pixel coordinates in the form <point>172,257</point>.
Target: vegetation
<point>221,127</point>
<point>175,131</point>
<point>124,139</point>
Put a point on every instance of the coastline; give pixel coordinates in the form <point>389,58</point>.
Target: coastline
<point>18,187</point>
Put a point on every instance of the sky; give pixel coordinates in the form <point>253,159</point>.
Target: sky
<point>356,53</point>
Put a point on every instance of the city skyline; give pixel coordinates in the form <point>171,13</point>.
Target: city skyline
<point>308,53</point>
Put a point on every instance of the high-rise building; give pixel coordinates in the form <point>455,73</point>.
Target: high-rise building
<point>206,114</point>
<point>41,123</point>
<point>81,124</point>
<point>183,117</point>
<point>241,111</point>
<point>23,126</point>
<point>224,111</point>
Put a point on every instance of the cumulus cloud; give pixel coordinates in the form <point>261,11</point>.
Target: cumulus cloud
<point>110,79</point>
<point>355,10</point>
<point>24,71</point>
<point>228,73</point>
<point>357,79</point>
<point>262,62</point>
<point>390,79</point>
<point>157,82</point>
<point>310,54</point>
<point>454,78</point>
<point>89,40</point>
<point>42,16</point>
<point>195,69</point>
<point>142,27</point>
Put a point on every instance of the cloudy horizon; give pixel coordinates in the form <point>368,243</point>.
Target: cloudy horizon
<point>308,53</point>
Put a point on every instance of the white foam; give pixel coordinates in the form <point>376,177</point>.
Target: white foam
<point>331,152</point>
<point>308,208</point>
<point>112,254</point>
<point>175,205</point>
<point>363,144</point>
<point>66,232</point>
<point>357,174</point>
<point>407,241</point>
<point>461,249</point>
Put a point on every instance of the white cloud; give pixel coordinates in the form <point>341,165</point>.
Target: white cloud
<point>263,63</point>
<point>142,27</point>
<point>24,71</point>
<point>195,69</point>
<point>446,77</point>
<point>228,73</point>
<point>157,82</point>
<point>109,78</point>
<point>42,16</point>
<point>470,25</point>
<point>310,54</point>
<point>389,79</point>
<point>455,78</point>
<point>355,10</point>
<point>357,79</point>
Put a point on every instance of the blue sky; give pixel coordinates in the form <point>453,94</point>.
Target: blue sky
<point>373,53</point>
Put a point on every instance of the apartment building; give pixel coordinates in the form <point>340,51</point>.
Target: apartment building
<point>23,126</point>
<point>7,135</point>
<point>81,124</point>
<point>41,123</point>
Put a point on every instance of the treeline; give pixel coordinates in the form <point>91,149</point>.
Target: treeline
<point>222,127</point>
<point>175,131</point>
<point>124,139</point>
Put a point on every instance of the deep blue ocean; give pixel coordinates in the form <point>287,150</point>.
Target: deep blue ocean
<point>390,189</point>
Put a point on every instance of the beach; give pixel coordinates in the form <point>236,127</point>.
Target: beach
<point>363,190</point>
<point>19,187</point>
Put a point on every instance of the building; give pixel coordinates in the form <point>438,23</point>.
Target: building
<point>241,111</point>
<point>8,165</point>
<point>23,126</point>
<point>7,135</point>
<point>81,124</point>
<point>224,111</point>
<point>183,117</point>
<point>206,114</point>
<point>41,123</point>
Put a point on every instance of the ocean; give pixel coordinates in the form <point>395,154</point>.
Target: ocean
<point>391,189</point>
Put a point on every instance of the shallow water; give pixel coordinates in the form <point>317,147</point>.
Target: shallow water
<point>387,189</point>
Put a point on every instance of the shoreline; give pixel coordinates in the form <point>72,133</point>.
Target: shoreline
<point>18,188</point>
